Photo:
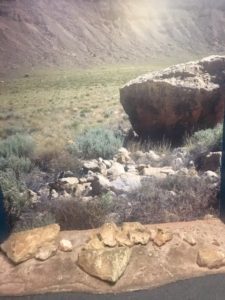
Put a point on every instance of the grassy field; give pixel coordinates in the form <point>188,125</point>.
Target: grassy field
<point>53,106</point>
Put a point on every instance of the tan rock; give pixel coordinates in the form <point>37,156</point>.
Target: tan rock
<point>123,239</point>
<point>107,264</point>
<point>211,257</point>
<point>69,182</point>
<point>188,238</point>
<point>65,245</point>
<point>132,226</point>
<point>94,244</point>
<point>107,234</point>
<point>162,237</point>
<point>46,251</point>
<point>137,237</point>
<point>24,245</point>
<point>153,233</point>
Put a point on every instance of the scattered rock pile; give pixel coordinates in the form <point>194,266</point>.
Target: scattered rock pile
<point>110,249</point>
<point>125,173</point>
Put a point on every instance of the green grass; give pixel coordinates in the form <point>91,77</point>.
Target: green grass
<point>46,103</point>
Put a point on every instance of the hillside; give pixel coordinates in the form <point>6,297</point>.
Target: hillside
<point>84,32</point>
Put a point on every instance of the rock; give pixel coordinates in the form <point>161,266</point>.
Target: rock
<point>125,183</point>
<point>82,180</point>
<point>107,234</point>
<point>100,185</point>
<point>211,177</point>
<point>174,101</point>
<point>188,238</point>
<point>183,172</point>
<point>106,264</point>
<point>209,217</point>
<point>137,237</point>
<point>116,170</point>
<point>68,184</point>
<point>132,226</point>
<point>24,245</point>
<point>157,172</point>
<point>54,194</point>
<point>32,197</point>
<point>123,156</point>
<point>94,244</point>
<point>83,190</point>
<point>107,163</point>
<point>153,157</point>
<point>162,238</point>
<point>177,164</point>
<point>211,257</point>
<point>91,165</point>
<point>65,245</point>
<point>46,251</point>
<point>211,162</point>
<point>123,239</point>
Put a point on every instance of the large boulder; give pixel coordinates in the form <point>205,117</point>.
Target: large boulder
<point>179,99</point>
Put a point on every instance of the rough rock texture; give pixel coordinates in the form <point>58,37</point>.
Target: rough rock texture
<point>211,257</point>
<point>149,266</point>
<point>108,234</point>
<point>106,264</point>
<point>176,100</point>
<point>46,251</point>
<point>24,245</point>
<point>65,245</point>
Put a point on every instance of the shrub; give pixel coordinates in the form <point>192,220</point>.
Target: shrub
<point>19,145</point>
<point>206,140</point>
<point>30,220</point>
<point>175,198</point>
<point>73,214</point>
<point>15,196</point>
<point>97,142</point>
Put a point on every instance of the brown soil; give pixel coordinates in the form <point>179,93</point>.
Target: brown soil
<point>79,33</point>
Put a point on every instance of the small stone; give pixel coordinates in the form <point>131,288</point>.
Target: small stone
<point>137,237</point>
<point>65,245</point>
<point>211,258</point>
<point>123,239</point>
<point>189,239</point>
<point>46,251</point>
<point>32,196</point>
<point>162,238</point>
<point>91,165</point>
<point>132,226</point>
<point>100,185</point>
<point>209,217</point>
<point>54,194</point>
<point>83,180</point>
<point>116,170</point>
<point>108,234</point>
<point>94,244</point>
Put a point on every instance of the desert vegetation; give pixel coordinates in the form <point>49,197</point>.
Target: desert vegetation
<point>176,197</point>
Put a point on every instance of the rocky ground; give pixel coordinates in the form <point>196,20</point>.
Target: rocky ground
<point>133,257</point>
<point>143,186</point>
